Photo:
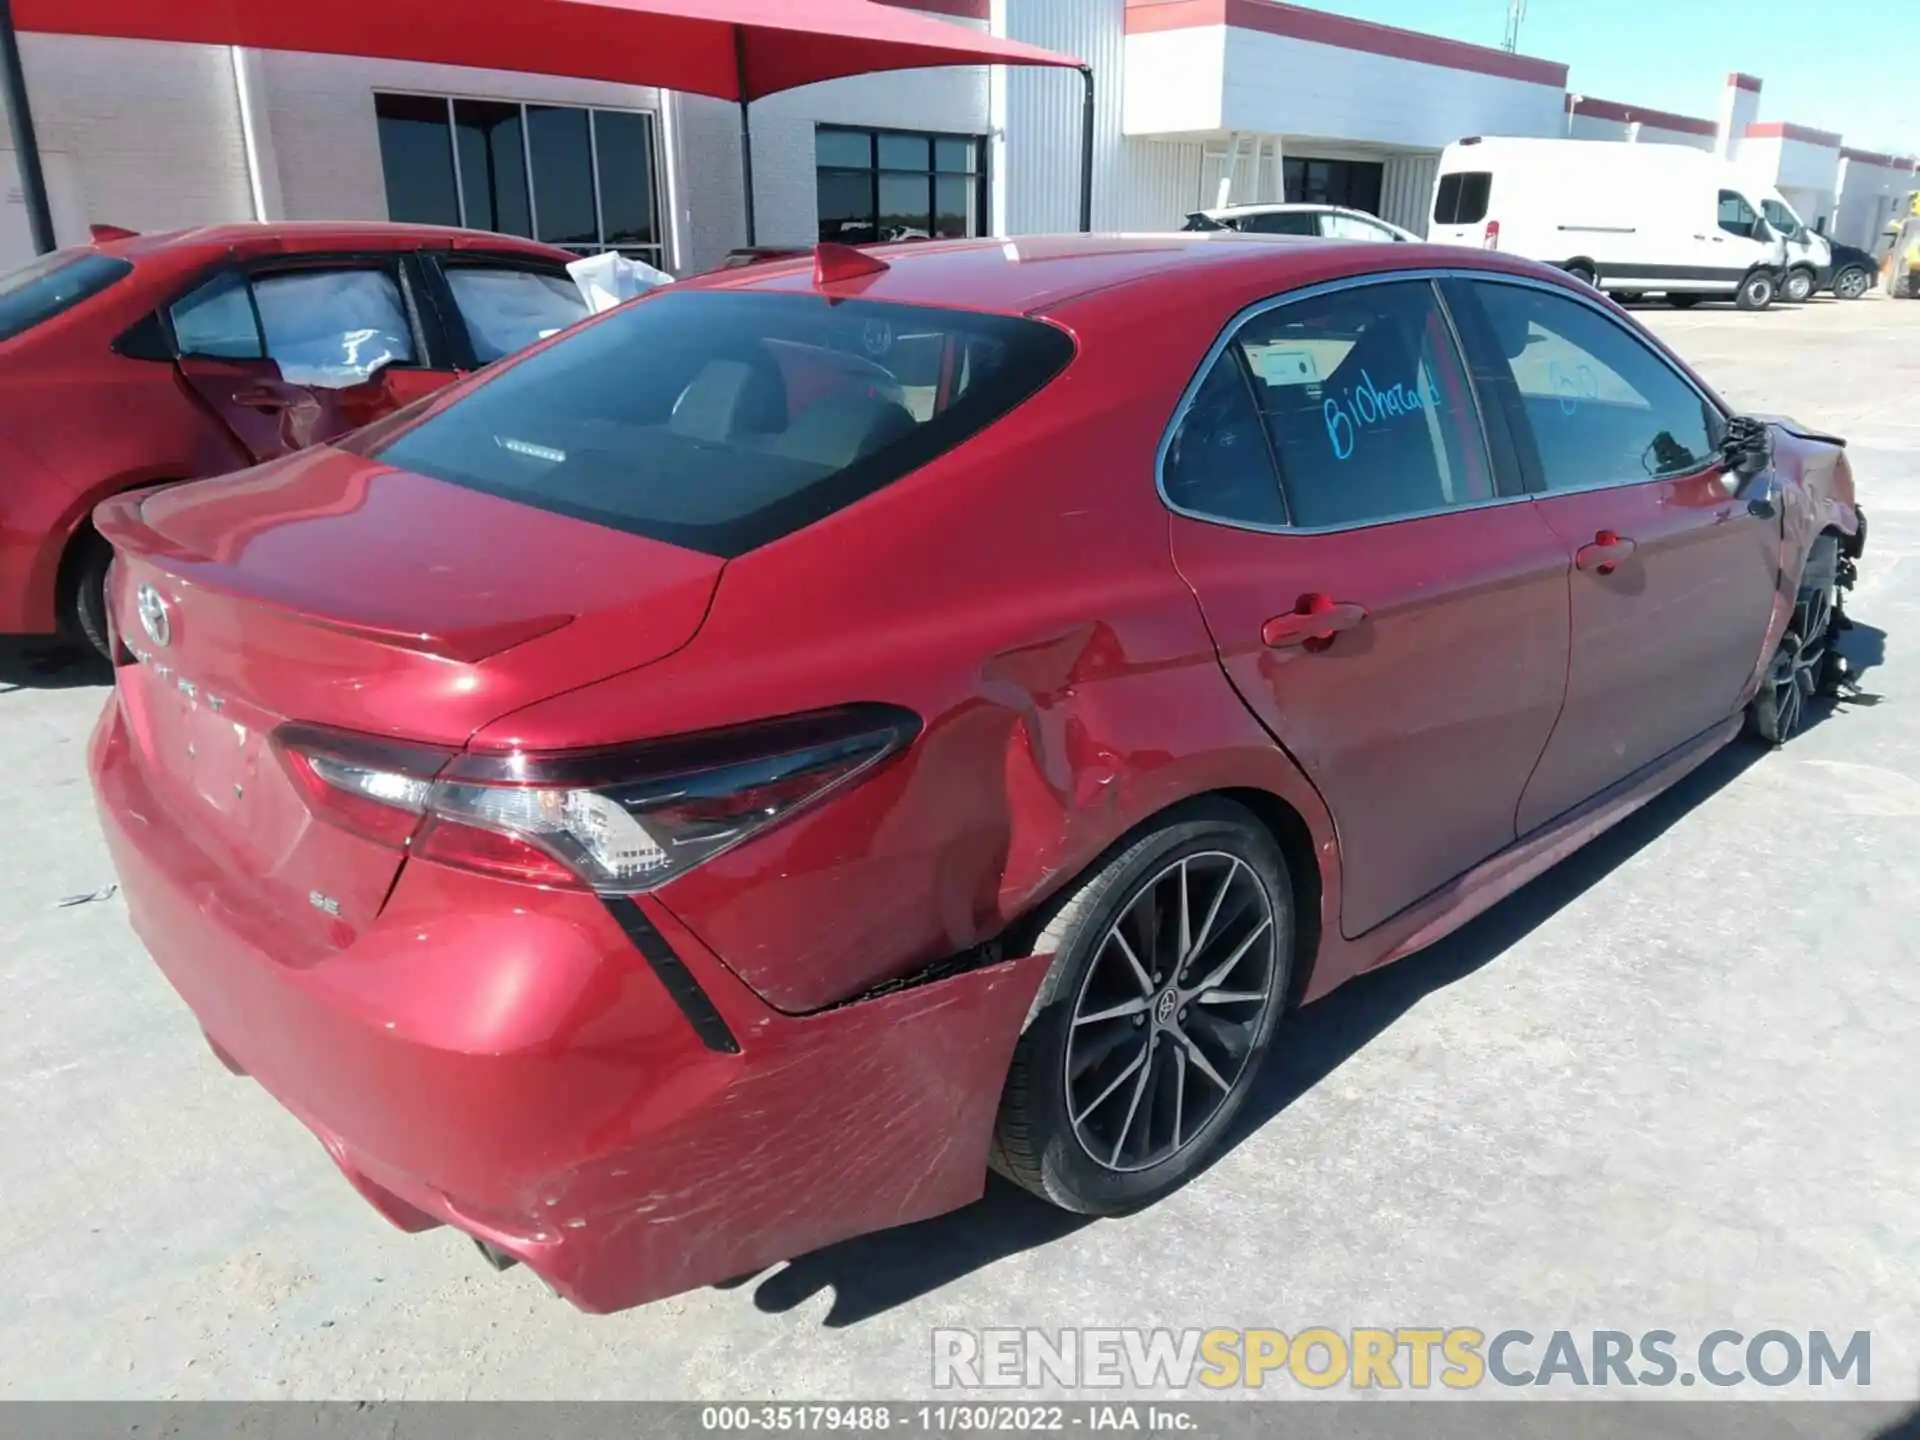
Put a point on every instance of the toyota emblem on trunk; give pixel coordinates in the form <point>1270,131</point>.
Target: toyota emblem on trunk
<point>154,618</point>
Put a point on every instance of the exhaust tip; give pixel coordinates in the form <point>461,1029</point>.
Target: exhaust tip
<point>494,1255</point>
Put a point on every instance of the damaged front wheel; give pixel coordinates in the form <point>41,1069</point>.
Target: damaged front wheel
<point>1804,664</point>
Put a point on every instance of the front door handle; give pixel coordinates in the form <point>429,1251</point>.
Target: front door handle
<point>1312,623</point>
<point>1606,551</point>
<point>268,402</point>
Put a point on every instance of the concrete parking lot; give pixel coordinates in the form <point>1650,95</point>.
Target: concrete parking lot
<point>1674,1084</point>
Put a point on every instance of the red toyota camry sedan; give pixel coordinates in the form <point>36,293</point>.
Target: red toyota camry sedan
<point>723,779</point>
<point>147,358</point>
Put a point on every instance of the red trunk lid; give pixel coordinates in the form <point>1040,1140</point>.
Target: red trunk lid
<point>334,590</point>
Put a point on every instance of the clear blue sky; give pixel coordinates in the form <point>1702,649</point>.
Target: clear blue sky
<point>1846,65</point>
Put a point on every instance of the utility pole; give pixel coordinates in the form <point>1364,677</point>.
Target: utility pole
<point>13,96</point>
<point>1516,12</point>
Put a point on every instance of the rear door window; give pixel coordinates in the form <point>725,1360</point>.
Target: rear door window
<point>324,326</point>
<point>333,328</point>
<point>1365,403</point>
<point>1462,197</point>
<point>721,421</point>
<point>508,308</point>
<point>52,285</point>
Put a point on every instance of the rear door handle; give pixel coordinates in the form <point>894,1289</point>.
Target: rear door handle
<point>1606,551</point>
<point>269,402</point>
<point>1313,623</point>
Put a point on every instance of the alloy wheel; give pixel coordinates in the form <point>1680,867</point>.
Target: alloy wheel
<point>1170,1010</point>
<point>1794,677</point>
<point>1851,285</point>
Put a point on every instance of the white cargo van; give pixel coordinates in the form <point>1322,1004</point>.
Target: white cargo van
<point>1624,217</point>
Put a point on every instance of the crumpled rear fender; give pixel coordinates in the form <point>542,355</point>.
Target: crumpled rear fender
<point>1060,748</point>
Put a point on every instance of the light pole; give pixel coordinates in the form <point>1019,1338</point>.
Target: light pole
<point>13,90</point>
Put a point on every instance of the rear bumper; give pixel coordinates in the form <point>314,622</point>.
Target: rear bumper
<point>504,1060</point>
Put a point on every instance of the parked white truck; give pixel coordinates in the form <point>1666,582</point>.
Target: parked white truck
<point>1623,217</point>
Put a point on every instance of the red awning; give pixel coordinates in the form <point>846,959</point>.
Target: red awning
<point>732,49</point>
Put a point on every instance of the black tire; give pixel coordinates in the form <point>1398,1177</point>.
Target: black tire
<point>83,599</point>
<point>1851,282</point>
<point>1804,664</point>
<point>1582,271</point>
<point>1684,301</point>
<point>1204,849</point>
<point>1756,291</point>
<point>1798,288</point>
<point>1628,297</point>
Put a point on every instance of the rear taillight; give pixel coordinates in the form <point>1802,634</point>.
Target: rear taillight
<point>376,789</point>
<point>616,821</point>
<point>1491,240</point>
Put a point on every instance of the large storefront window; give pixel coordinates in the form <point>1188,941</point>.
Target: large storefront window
<point>897,185</point>
<point>582,179</point>
<point>1352,183</point>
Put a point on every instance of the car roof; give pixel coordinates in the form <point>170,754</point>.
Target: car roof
<point>1036,274</point>
<point>249,238</point>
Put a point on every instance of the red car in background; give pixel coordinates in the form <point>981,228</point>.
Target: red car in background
<point>149,358</point>
<point>677,802</point>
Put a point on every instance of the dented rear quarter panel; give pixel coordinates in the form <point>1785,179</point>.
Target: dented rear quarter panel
<point>1019,595</point>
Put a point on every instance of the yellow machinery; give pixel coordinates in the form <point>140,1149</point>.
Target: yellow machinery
<point>1900,259</point>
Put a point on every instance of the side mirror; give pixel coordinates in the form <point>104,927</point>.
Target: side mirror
<point>1747,452</point>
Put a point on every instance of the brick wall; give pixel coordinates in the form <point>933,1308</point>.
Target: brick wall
<point>141,134</point>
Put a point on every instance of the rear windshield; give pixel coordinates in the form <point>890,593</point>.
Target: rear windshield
<point>44,288</point>
<point>722,421</point>
<point>1462,197</point>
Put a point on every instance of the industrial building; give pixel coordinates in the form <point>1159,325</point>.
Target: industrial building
<point>1198,102</point>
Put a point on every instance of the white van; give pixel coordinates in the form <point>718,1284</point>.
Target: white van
<point>1624,217</point>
